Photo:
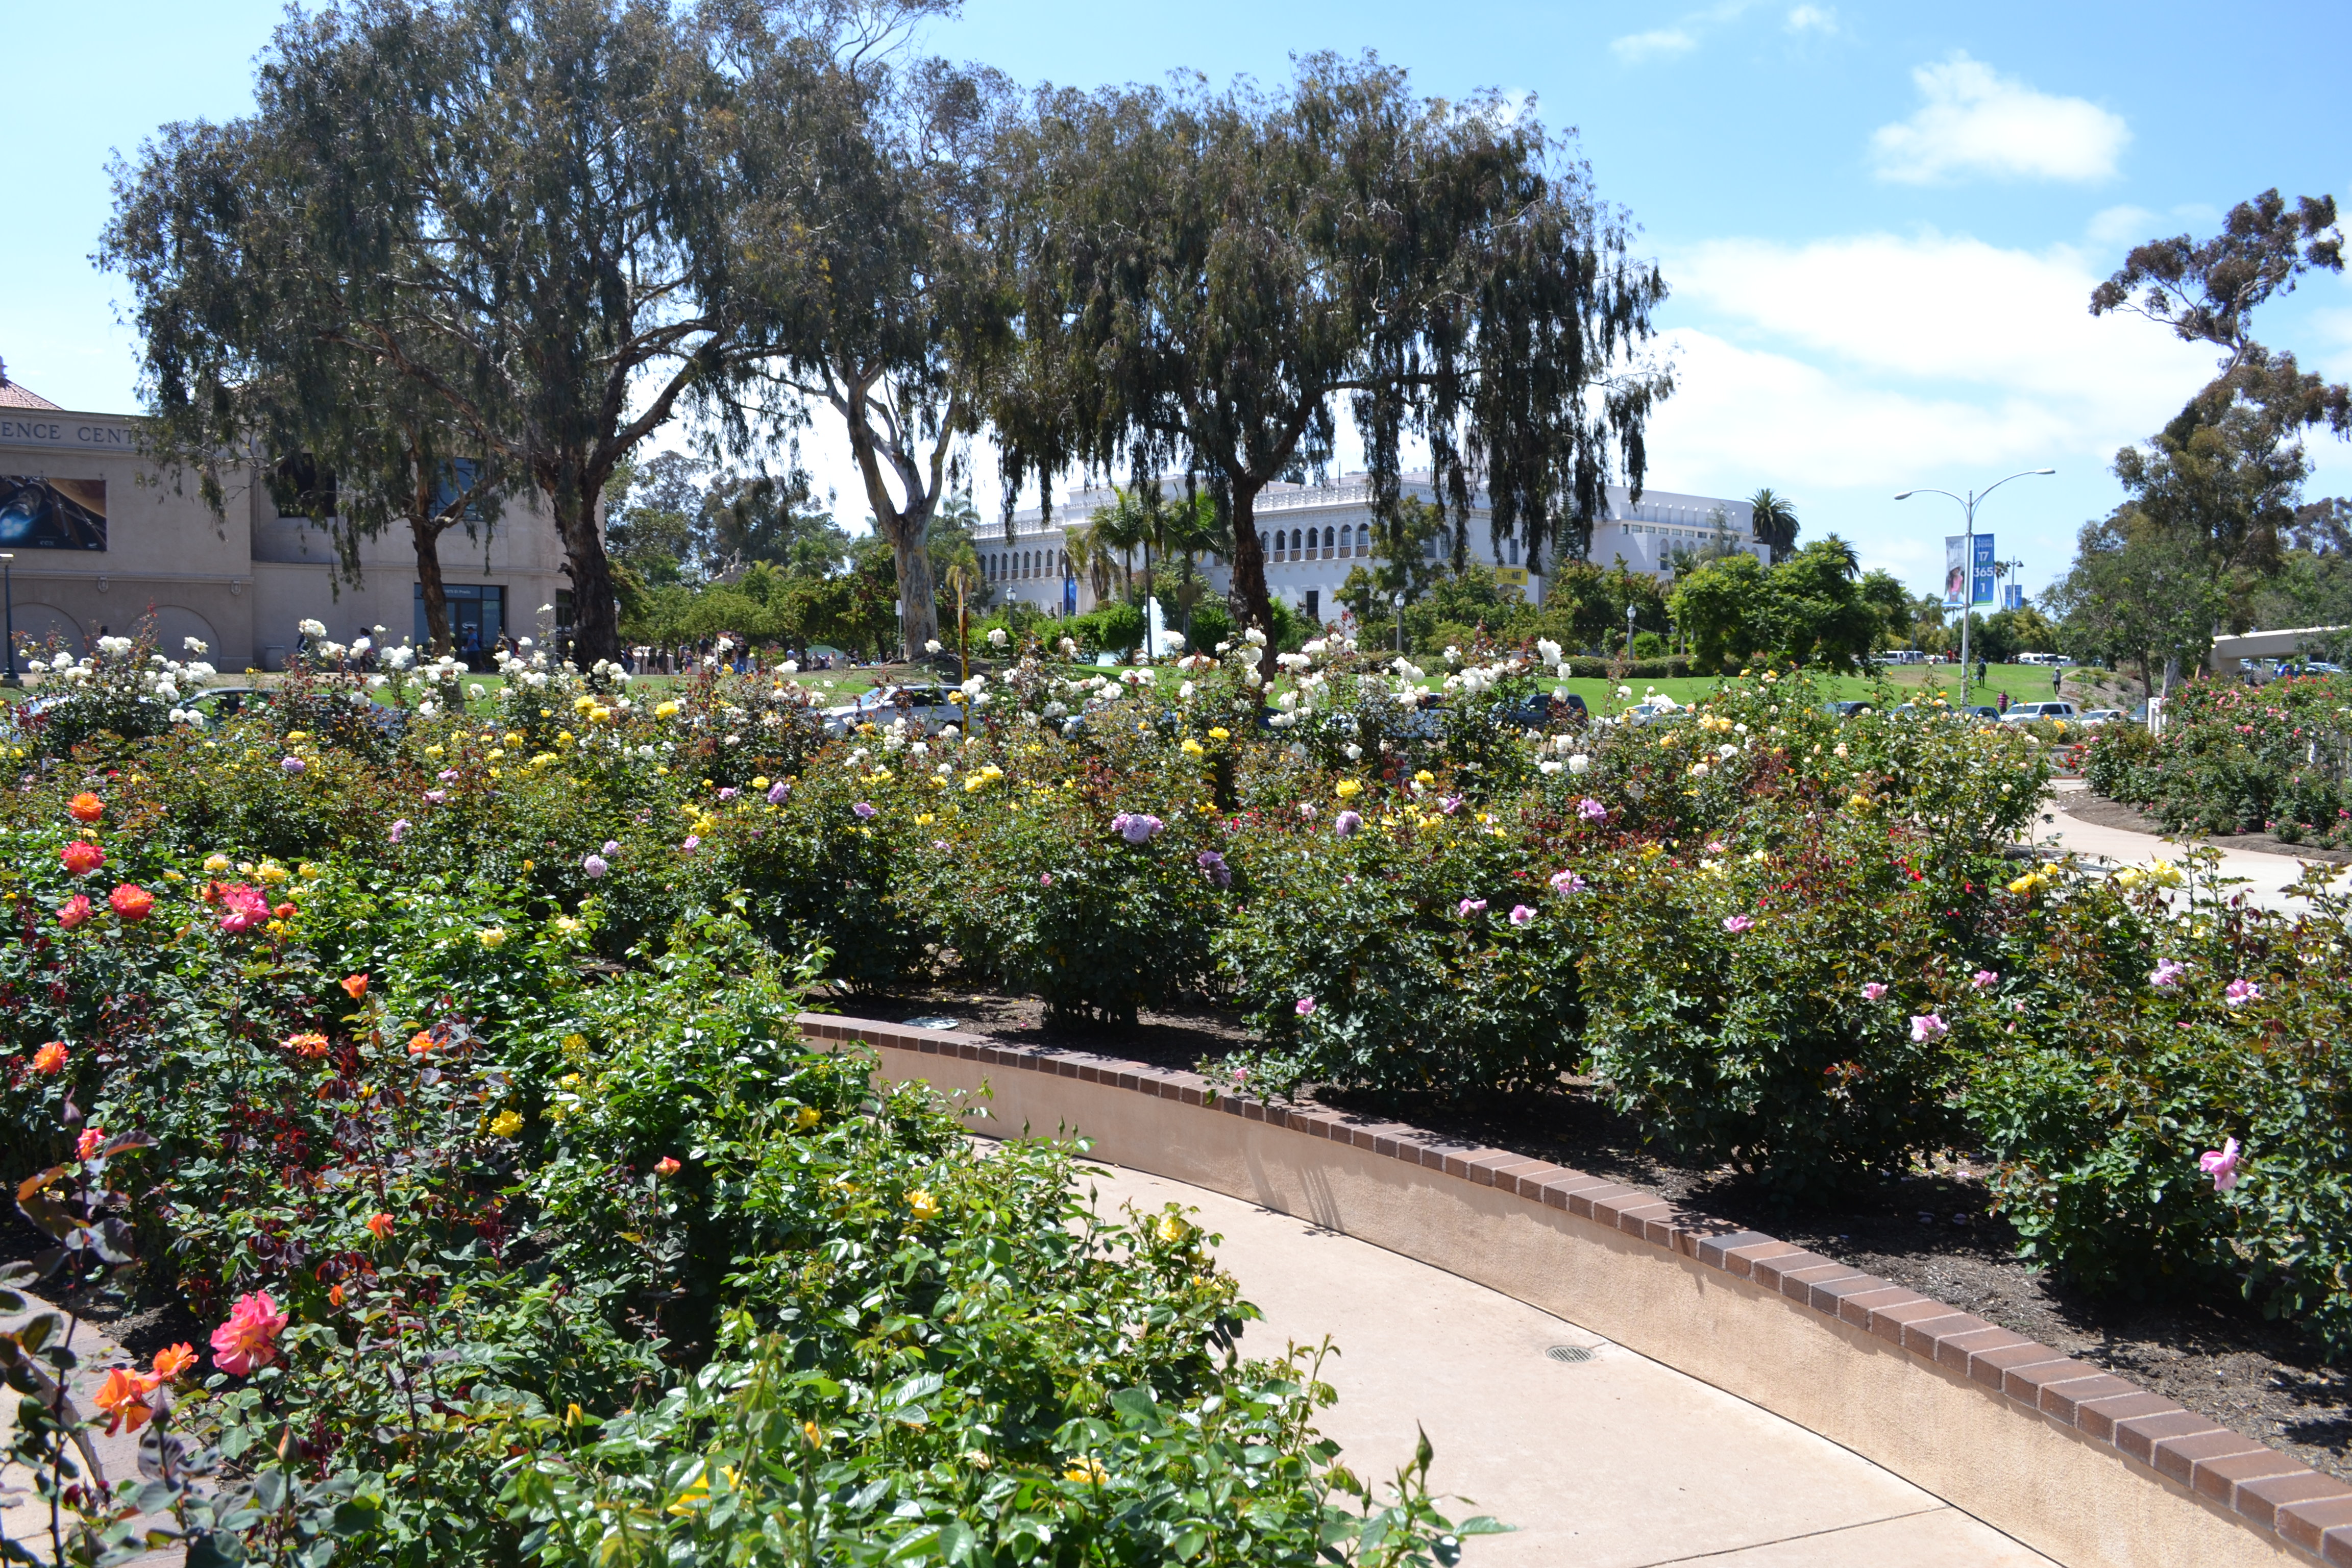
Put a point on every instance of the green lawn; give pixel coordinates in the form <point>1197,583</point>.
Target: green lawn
<point>2024,682</point>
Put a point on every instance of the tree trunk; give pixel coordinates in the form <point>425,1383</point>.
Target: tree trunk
<point>595,611</point>
<point>428,578</point>
<point>918,593</point>
<point>1249,573</point>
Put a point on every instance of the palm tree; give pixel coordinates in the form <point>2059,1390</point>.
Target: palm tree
<point>1131,521</point>
<point>1774,521</point>
<point>1091,558</point>
<point>1189,530</point>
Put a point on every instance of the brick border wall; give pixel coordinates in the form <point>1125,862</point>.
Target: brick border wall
<point>2269,1492</point>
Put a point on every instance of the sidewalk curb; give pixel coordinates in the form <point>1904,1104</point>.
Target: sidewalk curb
<point>1913,1384</point>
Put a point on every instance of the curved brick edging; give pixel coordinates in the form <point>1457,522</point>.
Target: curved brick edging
<point>1958,1405</point>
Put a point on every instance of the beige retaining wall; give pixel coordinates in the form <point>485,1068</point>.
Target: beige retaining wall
<point>2075,1463</point>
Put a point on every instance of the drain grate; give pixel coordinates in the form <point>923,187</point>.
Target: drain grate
<point>1574,1354</point>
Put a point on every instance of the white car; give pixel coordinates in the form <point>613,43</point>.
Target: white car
<point>2026,712</point>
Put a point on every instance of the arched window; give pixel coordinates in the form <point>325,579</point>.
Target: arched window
<point>1330,540</point>
<point>1028,564</point>
<point>1346,540</point>
<point>1515,550</point>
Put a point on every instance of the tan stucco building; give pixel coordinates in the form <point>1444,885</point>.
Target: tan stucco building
<point>102,539</point>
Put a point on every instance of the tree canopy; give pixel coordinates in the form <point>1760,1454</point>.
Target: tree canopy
<point>1207,273</point>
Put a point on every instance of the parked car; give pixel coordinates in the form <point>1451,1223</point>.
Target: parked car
<point>2026,712</point>
<point>925,708</point>
<point>1848,708</point>
<point>1538,710</point>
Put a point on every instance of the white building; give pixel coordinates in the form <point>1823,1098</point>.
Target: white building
<point>1314,535</point>
<point>101,540</point>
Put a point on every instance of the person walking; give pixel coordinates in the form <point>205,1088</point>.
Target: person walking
<point>2004,704</point>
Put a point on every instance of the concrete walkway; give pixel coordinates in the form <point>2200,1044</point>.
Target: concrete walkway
<point>24,1517</point>
<point>2265,877</point>
<point>1608,1461</point>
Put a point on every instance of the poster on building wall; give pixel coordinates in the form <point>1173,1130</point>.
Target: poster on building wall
<point>37,513</point>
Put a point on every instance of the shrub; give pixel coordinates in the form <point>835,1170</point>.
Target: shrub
<point>2138,1039</point>
<point>2238,759</point>
<point>1390,958</point>
<point>1755,999</point>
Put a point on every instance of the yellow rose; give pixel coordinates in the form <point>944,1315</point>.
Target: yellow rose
<point>215,864</point>
<point>1087,1472</point>
<point>922,1205</point>
<point>1348,789</point>
<point>1221,733</point>
<point>805,1118</point>
<point>666,711</point>
<point>505,1123</point>
<point>1192,748</point>
<point>493,937</point>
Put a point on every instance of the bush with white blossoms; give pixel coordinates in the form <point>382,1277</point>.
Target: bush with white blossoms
<point>125,688</point>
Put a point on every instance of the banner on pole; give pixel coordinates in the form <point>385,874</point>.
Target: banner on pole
<point>1956,570</point>
<point>1982,587</point>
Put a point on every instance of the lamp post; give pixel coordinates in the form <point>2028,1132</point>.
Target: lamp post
<point>8,597</point>
<point>1968,554</point>
<point>1397,599</point>
<point>1629,630</point>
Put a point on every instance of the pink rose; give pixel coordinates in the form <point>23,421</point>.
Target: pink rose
<point>2221,1164</point>
<point>248,1340</point>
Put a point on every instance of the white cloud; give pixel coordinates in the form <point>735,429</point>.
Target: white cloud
<point>2119,226</point>
<point>1876,359</point>
<point>1656,44</point>
<point>1812,19</point>
<point>1976,122</point>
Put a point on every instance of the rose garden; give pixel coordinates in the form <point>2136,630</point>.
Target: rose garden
<point>440,1082</point>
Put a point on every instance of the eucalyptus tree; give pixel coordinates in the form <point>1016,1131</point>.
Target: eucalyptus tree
<point>876,223</point>
<point>530,209</point>
<point>1207,274</point>
<point>246,361</point>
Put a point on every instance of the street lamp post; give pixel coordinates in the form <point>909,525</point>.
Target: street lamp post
<point>1968,554</point>
<point>1629,631</point>
<point>8,598</point>
<point>1397,599</point>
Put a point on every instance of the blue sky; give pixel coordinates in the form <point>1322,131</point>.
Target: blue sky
<point>1881,221</point>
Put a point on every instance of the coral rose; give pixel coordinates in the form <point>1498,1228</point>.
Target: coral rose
<point>131,902</point>
<point>85,808</point>
<point>355,986</point>
<point>174,1360</point>
<point>52,1058</point>
<point>248,1340</point>
<point>81,857</point>
<point>74,912</point>
<point>123,1398</point>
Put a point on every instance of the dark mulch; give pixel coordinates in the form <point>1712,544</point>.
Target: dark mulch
<point>2101,812</point>
<point>1928,1231</point>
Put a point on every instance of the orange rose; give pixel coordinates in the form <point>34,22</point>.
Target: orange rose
<point>421,1042</point>
<point>312,1044</point>
<point>123,1398</point>
<point>380,1225</point>
<point>174,1360</point>
<point>50,1060</point>
<point>355,986</point>
<point>85,808</point>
